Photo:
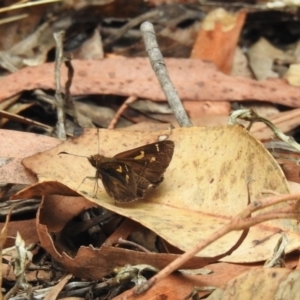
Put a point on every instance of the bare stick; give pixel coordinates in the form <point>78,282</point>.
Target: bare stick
<point>132,23</point>
<point>161,72</point>
<point>27,4</point>
<point>129,243</point>
<point>24,120</point>
<point>68,97</point>
<point>60,126</point>
<point>240,222</point>
<point>118,114</point>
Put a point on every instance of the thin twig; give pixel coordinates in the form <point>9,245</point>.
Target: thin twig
<point>129,243</point>
<point>27,4</point>
<point>118,114</point>
<point>161,72</point>
<point>59,59</point>
<point>252,117</point>
<point>132,23</point>
<point>13,18</point>
<point>17,118</point>
<point>68,97</point>
<point>240,222</point>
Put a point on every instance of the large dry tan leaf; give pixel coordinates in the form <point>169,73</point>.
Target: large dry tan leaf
<point>205,185</point>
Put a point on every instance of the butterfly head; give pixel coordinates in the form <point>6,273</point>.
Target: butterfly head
<point>97,160</point>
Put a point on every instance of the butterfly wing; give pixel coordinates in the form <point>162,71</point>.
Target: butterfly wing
<point>119,181</point>
<point>128,175</point>
<point>149,161</point>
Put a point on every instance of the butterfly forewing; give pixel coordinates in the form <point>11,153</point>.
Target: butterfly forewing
<point>149,161</point>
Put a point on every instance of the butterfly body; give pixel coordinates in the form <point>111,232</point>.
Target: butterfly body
<point>128,175</point>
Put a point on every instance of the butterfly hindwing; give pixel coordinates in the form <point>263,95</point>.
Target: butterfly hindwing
<point>118,180</point>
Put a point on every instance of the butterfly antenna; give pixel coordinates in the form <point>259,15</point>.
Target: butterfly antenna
<point>98,132</point>
<point>96,185</point>
<point>63,152</point>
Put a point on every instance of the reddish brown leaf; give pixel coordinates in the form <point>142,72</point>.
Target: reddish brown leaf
<point>218,38</point>
<point>134,77</point>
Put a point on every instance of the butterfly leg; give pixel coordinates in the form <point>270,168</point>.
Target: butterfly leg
<point>153,183</point>
<point>142,185</point>
<point>96,184</point>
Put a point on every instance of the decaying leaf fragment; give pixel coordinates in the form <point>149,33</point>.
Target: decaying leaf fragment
<point>3,236</point>
<point>21,262</point>
<point>219,29</point>
<point>133,273</point>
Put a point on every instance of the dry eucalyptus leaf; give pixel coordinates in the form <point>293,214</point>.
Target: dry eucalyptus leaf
<point>136,78</point>
<point>240,66</point>
<point>205,184</point>
<point>273,283</point>
<point>293,75</point>
<point>15,146</point>
<point>262,56</point>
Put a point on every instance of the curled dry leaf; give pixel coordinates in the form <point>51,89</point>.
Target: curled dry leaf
<point>205,184</point>
<point>90,262</point>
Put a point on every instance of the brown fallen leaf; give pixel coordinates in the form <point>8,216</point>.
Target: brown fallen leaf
<point>272,283</point>
<point>220,274</point>
<point>25,227</point>
<point>16,146</point>
<point>205,184</point>
<point>91,262</point>
<point>9,275</point>
<point>134,77</point>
